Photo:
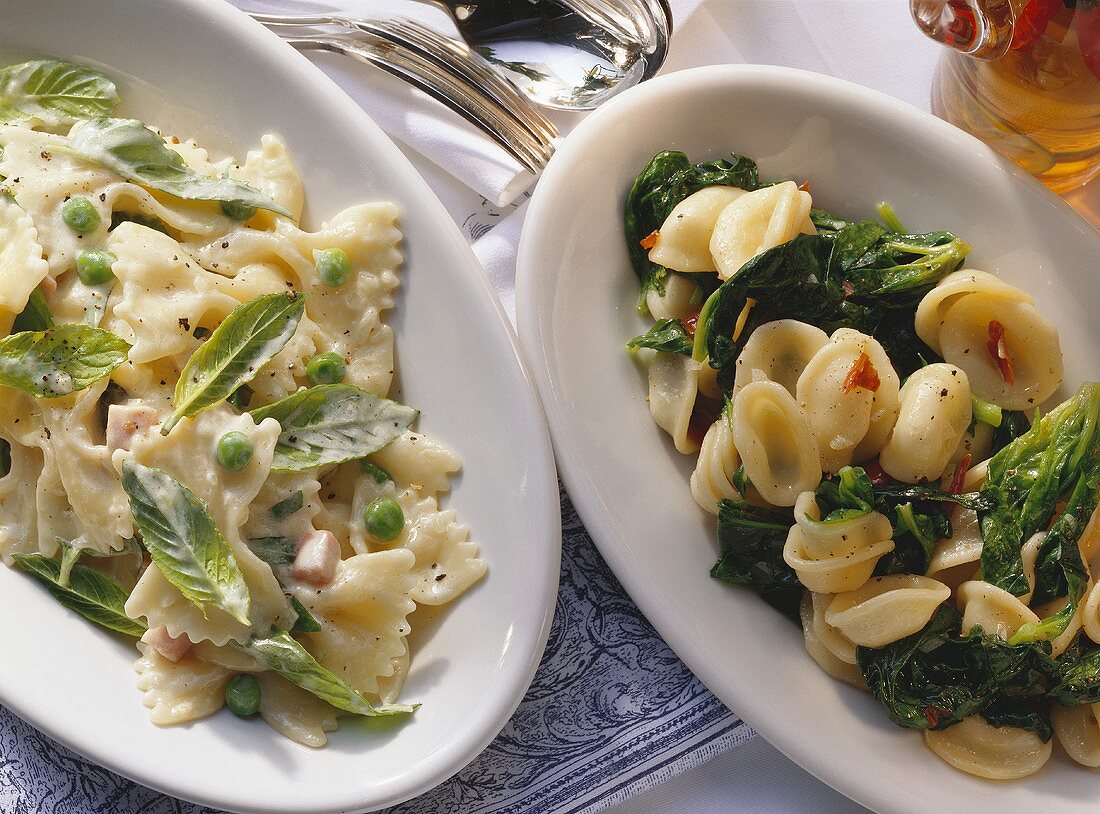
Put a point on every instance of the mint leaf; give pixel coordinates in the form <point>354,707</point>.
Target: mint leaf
<point>283,654</point>
<point>247,339</point>
<point>129,148</point>
<point>332,423</point>
<point>54,93</point>
<point>93,595</point>
<point>60,360</point>
<point>184,542</point>
<point>274,550</point>
<point>35,316</point>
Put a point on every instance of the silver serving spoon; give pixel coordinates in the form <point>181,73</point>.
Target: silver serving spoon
<point>566,54</point>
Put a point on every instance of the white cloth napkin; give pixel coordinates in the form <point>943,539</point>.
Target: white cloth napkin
<point>409,115</point>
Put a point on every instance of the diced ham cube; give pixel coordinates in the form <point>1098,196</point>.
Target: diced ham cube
<point>171,649</point>
<point>317,558</point>
<point>124,421</point>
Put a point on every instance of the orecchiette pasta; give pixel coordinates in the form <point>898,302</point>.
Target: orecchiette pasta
<point>934,306</point>
<point>677,301</point>
<point>673,388</point>
<point>712,479</point>
<point>885,609</point>
<point>995,752</point>
<point>684,239</point>
<point>825,658</point>
<point>849,392</point>
<point>1078,731</point>
<point>934,412</point>
<point>955,559</point>
<point>758,221</point>
<point>994,609</point>
<point>780,349</point>
<point>840,555</point>
<point>777,450</point>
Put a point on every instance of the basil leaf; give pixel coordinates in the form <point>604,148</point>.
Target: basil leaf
<point>332,423</point>
<point>35,316</point>
<point>666,335</point>
<point>93,595</point>
<point>60,360</point>
<point>274,550</point>
<point>54,92</point>
<point>283,654</point>
<point>135,152</point>
<point>183,541</point>
<point>288,505</point>
<point>305,623</point>
<point>247,339</point>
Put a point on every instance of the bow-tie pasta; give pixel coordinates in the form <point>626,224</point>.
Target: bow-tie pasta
<point>196,447</point>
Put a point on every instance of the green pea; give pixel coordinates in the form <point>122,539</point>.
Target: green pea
<point>333,266</point>
<point>383,519</point>
<point>326,368</point>
<point>234,451</point>
<point>242,695</point>
<point>93,266</point>
<point>379,474</point>
<point>79,215</point>
<point>238,210</point>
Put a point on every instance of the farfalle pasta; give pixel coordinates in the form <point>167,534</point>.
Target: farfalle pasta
<point>878,469</point>
<point>196,447</point>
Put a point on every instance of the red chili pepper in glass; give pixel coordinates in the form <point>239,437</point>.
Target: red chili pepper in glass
<point>1032,22</point>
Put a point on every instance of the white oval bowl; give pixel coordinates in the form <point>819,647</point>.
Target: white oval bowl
<point>209,71</point>
<point>575,302</point>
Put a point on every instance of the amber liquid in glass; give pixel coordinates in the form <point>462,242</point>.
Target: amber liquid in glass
<point>1039,106</point>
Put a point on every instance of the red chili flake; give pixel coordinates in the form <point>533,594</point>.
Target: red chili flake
<point>690,321</point>
<point>960,475</point>
<point>998,349</point>
<point>862,374</point>
<point>935,715</point>
<point>650,240</point>
<point>703,414</point>
<point>847,288</point>
<point>804,186</point>
<point>876,473</point>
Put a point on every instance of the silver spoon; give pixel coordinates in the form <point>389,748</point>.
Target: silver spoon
<point>566,54</point>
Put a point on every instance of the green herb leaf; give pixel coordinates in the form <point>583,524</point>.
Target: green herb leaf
<point>129,148</point>
<point>283,654</point>
<point>35,316</point>
<point>60,360</point>
<point>274,550</point>
<point>247,339</point>
<point>667,336</point>
<point>1076,677</point>
<point>184,542</point>
<point>750,541</point>
<point>1028,478</point>
<point>288,506</point>
<point>847,496</point>
<point>305,623</point>
<point>54,93</point>
<point>986,412</point>
<point>936,677</point>
<point>332,423</point>
<point>93,595</point>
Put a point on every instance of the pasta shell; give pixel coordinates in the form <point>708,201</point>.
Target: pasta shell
<point>683,241</point>
<point>826,660</point>
<point>935,410</point>
<point>885,609</point>
<point>677,301</point>
<point>933,307</point>
<point>997,753</point>
<point>712,479</point>
<point>778,452</point>
<point>673,387</point>
<point>781,349</point>
<point>994,609</point>
<point>758,221</point>
<point>1078,731</point>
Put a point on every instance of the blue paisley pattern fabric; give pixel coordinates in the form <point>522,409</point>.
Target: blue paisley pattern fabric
<point>611,712</point>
